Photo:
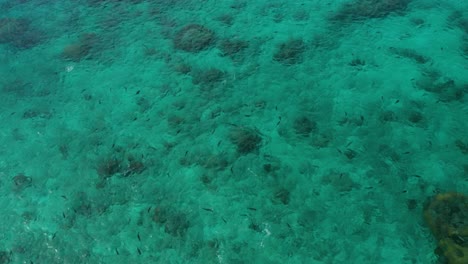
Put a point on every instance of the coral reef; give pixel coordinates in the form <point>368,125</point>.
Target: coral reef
<point>462,146</point>
<point>21,182</point>
<point>459,19</point>
<point>387,116</point>
<point>207,77</point>
<point>290,52</point>
<point>350,154</point>
<point>175,223</point>
<point>464,46</point>
<point>82,204</point>
<point>230,47</point>
<point>118,165</point>
<point>103,2</point>
<point>357,63</point>
<point>247,140</point>
<point>213,162</point>
<point>19,33</point>
<point>81,49</point>
<point>282,195</point>
<point>17,87</point>
<point>409,54</point>
<point>226,19</point>
<point>194,38</point>
<point>342,182</point>
<point>38,113</point>
<point>304,126</point>
<point>182,68</point>
<point>176,122</point>
<point>109,167</point>
<point>446,215</point>
<point>322,140</point>
<point>5,257</point>
<point>415,116</point>
<point>365,9</point>
<point>446,89</point>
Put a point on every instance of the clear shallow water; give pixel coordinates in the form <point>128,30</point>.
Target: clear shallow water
<point>229,131</point>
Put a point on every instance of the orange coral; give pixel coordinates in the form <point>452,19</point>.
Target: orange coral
<point>447,217</point>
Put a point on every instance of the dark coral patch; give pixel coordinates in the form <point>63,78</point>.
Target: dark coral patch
<point>230,47</point>
<point>366,9</point>
<point>247,140</point>
<point>290,52</point>
<point>84,48</point>
<point>194,38</point>
<point>18,33</point>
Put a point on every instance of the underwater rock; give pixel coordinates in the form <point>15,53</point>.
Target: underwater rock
<point>446,214</point>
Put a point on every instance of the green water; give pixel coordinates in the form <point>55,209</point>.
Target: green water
<point>184,131</point>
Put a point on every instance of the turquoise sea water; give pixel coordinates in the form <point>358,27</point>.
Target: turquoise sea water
<point>184,131</point>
